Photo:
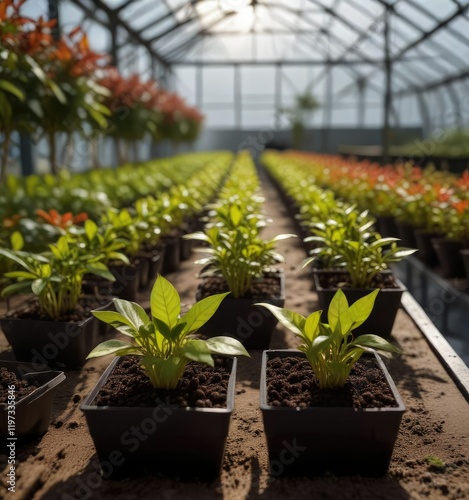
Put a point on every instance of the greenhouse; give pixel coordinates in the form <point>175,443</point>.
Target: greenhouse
<point>234,249</point>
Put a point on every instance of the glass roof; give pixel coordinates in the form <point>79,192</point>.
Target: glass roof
<point>428,39</point>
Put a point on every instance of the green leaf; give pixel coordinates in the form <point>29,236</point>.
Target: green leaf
<point>201,312</point>
<point>226,346</point>
<point>290,319</point>
<point>117,321</point>
<point>109,347</point>
<point>319,344</point>
<point>337,306</point>
<point>91,229</point>
<point>375,342</point>
<point>311,325</point>
<point>357,313</point>
<point>197,350</point>
<point>16,288</point>
<point>12,89</point>
<point>133,312</point>
<point>165,302</point>
<point>39,285</point>
<point>17,241</point>
<point>13,256</point>
<point>100,269</point>
<point>163,328</point>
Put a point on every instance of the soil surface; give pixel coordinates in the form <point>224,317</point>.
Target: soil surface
<point>261,289</point>
<point>62,464</point>
<point>86,304</point>
<point>328,280</point>
<point>291,383</point>
<point>201,386</point>
<point>22,387</point>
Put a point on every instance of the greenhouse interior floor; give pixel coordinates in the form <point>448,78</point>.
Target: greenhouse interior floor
<point>63,464</point>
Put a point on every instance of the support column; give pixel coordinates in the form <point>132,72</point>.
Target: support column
<point>278,96</point>
<point>386,139</point>
<point>238,112</point>
<point>327,118</point>
<point>361,84</point>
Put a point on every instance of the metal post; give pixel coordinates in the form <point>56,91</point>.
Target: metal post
<point>278,95</point>
<point>113,49</point>
<point>26,155</point>
<point>361,84</point>
<point>53,11</point>
<point>388,86</point>
<point>327,123</point>
<point>199,97</point>
<point>237,97</point>
<point>424,113</point>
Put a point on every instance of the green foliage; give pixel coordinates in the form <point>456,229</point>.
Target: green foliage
<point>236,251</point>
<point>330,347</point>
<point>56,276</point>
<point>166,341</point>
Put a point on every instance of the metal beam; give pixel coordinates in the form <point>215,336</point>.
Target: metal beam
<point>114,18</point>
<point>432,86</point>
<point>196,38</point>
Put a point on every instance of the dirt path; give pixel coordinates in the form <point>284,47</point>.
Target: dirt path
<point>62,464</point>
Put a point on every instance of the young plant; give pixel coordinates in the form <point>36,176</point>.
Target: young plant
<point>330,347</point>
<point>55,277</point>
<point>166,341</point>
<point>238,256</point>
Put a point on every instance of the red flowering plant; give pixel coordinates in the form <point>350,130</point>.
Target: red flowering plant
<point>21,77</point>
<point>74,67</point>
<point>180,122</point>
<point>132,105</point>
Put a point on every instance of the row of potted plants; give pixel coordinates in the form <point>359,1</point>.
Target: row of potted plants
<point>56,326</point>
<point>426,209</point>
<point>166,380</point>
<point>240,261</point>
<point>345,249</point>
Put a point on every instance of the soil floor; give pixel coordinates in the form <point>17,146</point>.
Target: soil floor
<point>63,465</point>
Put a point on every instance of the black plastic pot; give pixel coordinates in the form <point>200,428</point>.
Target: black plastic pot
<point>449,256</point>
<point>180,441</point>
<point>144,273</point>
<point>465,258</point>
<point>156,264</point>
<point>172,256</point>
<point>186,249</point>
<point>240,319</point>
<point>406,233</point>
<point>386,226</point>
<point>32,412</point>
<point>381,319</point>
<point>426,251</point>
<point>311,441</point>
<point>53,343</point>
<point>127,280</point>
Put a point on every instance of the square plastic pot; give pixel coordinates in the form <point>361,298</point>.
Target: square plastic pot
<point>172,255</point>
<point>381,319</point>
<point>450,258</point>
<point>32,412</point>
<point>241,319</point>
<point>54,343</point>
<point>177,441</point>
<point>311,441</point>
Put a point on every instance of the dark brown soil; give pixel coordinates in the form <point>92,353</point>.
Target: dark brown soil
<point>85,305</point>
<point>292,383</point>
<point>329,280</point>
<point>201,386</point>
<point>267,287</point>
<point>22,387</point>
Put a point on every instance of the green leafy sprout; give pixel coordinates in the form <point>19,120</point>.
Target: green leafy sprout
<point>166,341</point>
<point>330,347</point>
